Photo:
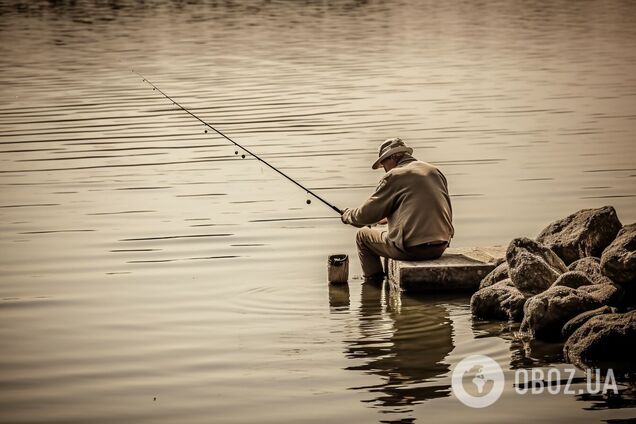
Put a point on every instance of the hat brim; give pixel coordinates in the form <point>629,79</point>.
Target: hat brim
<point>399,149</point>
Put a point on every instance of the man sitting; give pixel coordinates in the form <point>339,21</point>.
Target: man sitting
<point>412,198</point>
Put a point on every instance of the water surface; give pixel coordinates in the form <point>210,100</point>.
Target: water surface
<point>149,274</point>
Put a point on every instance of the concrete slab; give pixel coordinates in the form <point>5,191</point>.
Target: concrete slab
<point>459,269</point>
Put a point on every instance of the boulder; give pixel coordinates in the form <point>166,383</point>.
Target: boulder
<point>501,300</point>
<point>572,325</point>
<point>618,261</point>
<point>574,279</point>
<point>498,274</point>
<point>546,313</point>
<point>499,261</point>
<point>532,266</point>
<point>606,292</point>
<point>607,338</point>
<point>584,233</point>
<point>589,266</point>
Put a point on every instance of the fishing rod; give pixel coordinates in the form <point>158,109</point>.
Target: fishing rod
<point>308,191</point>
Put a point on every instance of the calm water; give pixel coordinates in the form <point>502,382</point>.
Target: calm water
<point>150,275</point>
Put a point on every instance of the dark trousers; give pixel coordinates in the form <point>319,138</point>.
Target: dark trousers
<point>373,244</point>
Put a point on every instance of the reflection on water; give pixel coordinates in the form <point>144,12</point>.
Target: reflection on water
<point>339,298</point>
<point>412,343</point>
<point>523,353</point>
<point>142,258</point>
<point>526,354</point>
<point>404,342</point>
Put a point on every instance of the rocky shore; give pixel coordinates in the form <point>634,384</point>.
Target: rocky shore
<point>576,282</point>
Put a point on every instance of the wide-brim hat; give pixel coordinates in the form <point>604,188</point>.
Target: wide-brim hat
<point>390,147</point>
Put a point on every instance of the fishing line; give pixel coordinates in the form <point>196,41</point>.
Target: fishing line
<point>236,152</point>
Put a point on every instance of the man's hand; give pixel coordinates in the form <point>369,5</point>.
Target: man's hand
<point>346,218</point>
<point>342,217</point>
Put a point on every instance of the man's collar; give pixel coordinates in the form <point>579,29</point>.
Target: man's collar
<point>405,160</point>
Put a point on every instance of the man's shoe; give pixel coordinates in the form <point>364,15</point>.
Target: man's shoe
<point>375,278</point>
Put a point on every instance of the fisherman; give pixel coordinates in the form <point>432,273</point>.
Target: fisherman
<point>412,198</point>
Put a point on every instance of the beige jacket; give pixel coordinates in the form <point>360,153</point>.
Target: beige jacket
<point>414,198</point>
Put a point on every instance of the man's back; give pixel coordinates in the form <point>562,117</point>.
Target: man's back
<point>422,211</point>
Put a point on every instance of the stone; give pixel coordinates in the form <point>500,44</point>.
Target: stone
<point>459,269</point>
<point>604,339</point>
<point>572,325</point>
<point>498,274</point>
<point>618,261</point>
<point>584,233</point>
<point>546,313</point>
<point>590,266</point>
<point>502,301</point>
<point>532,266</point>
<point>606,292</point>
<point>574,279</point>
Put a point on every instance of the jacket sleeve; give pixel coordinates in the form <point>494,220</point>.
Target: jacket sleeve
<point>379,205</point>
